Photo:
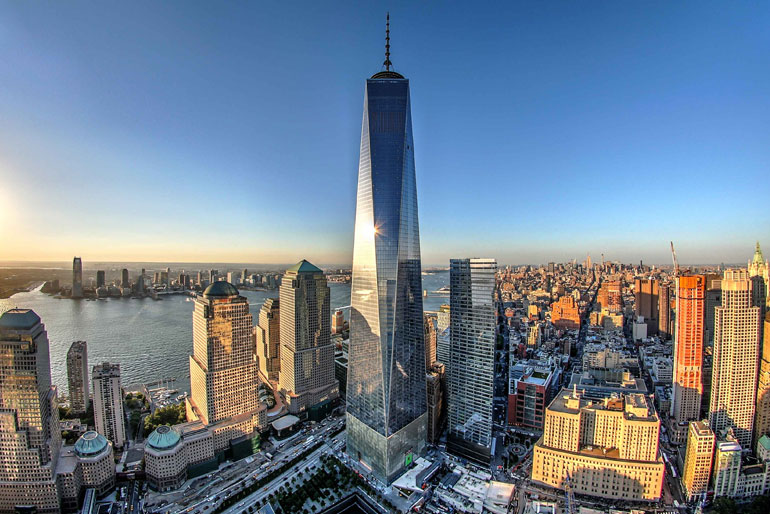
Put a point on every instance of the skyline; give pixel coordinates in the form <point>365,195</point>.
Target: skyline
<point>135,124</point>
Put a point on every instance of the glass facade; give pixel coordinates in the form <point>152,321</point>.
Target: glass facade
<point>471,366</point>
<point>386,392</point>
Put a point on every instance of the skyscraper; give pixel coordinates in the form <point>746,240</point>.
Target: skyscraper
<point>688,353</point>
<point>223,374</point>
<point>471,366</point>
<point>267,337</point>
<point>431,340</point>
<point>100,278</point>
<point>307,353</point>
<point>735,365</point>
<point>664,311</point>
<point>647,296</point>
<point>762,420</point>
<point>77,278</point>
<point>386,391</point>
<point>124,278</point>
<point>759,267</point>
<point>29,421</point>
<point>713,300</point>
<point>77,376</point>
<point>108,403</point>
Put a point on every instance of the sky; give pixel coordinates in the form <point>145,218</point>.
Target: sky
<point>229,132</point>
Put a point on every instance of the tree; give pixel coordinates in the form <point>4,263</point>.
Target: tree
<point>170,415</point>
<point>724,505</point>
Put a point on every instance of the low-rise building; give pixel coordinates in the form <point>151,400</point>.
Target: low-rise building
<point>170,451</point>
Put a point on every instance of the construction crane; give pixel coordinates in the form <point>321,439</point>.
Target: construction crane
<point>676,264</point>
<point>569,507</point>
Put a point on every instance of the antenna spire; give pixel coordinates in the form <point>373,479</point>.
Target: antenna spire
<point>387,62</point>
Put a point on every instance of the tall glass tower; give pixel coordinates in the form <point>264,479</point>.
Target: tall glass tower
<point>386,392</point>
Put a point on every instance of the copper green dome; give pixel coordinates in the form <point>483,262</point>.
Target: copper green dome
<point>220,289</point>
<point>91,443</point>
<point>164,437</point>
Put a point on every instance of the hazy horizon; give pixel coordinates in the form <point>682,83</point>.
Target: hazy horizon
<point>186,132</point>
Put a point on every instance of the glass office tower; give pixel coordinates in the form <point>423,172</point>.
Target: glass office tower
<point>386,392</point>
<point>471,366</point>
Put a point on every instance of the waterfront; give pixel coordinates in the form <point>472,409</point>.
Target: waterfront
<point>151,339</point>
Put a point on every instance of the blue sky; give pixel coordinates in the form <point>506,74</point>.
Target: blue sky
<point>187,131</point>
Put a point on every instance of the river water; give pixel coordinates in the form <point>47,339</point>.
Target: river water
<point>150,339</point>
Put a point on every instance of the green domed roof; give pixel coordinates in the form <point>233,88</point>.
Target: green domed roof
<point>220,288</point>
<point>164,437</point>
<point>90,443</point>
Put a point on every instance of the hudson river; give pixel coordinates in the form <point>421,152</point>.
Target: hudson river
<point>150,339</point>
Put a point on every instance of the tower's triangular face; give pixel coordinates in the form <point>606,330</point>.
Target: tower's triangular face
<point>386,371</point>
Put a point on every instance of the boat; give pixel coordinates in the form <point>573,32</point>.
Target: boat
<point>442,290</point>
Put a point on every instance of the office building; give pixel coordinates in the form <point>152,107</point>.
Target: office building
<point>697,461</point>
<point>736,474</point>
<point>77,278</point>
<point>529,391</point>
<point>338,322</point>
<point>646,303</point>
<point>223,411</point>
<point>762,419</point>
<point>688,354</point>
<point>124,278</point>
<point>610,295</point>
<point>100,278</point>
<point>471,366</point>
<point>139,284</point>
<point>77,377</point>
<point>223,371</point>
<point>306,377</point>
<point>29,420</point>
<point>97,462</point>
<point>386,397</point>
<point>442,318</point>
<point>431,339</point>
<point>565,313</point>
<point>108,403</point>
<point>435,388</point>
<point>607,446</point>
<point>267,338</point>
<point>735,358</point>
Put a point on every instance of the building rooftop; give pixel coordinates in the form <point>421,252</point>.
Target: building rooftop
<point>764,442</point>
<point>19,319</point>
<point>220,289</point>
<point>164,437</point>
<point>284,422</point>
<point>304,266</point>
<point>90,443</point>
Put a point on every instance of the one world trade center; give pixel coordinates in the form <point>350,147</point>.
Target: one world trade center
<point>386,395</point>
